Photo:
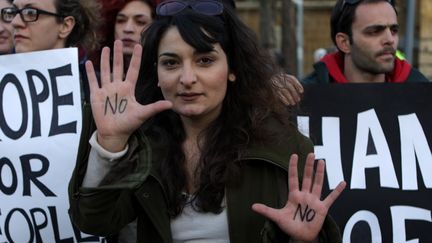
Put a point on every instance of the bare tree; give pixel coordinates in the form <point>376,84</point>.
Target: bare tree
<point>289,43</point>
<point>267,38</point>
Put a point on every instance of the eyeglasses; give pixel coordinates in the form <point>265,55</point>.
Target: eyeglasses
<point>173,7</point>
<point>352,2</point>
<point>27,14</point>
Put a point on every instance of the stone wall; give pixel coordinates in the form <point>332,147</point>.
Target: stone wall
<point>425,52</point>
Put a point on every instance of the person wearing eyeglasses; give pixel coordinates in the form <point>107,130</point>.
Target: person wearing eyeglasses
<point>50,24</point>
<point>6,31</point>
<point>202,150</point>
<point>365,33</point>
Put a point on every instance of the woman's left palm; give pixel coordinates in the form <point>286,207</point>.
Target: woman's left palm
<point>304,213</point>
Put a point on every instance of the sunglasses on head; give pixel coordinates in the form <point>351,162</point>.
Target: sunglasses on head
<point>352,2</point>
<point>173,7</point>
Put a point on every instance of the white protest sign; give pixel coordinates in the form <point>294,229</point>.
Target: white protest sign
<point>40,126</point>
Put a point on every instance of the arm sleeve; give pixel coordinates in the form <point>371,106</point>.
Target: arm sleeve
<point>100,162</point>
<point>104,209</point>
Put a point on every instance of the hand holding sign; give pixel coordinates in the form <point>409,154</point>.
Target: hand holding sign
<point>115,110</point>
<point>304,213</point>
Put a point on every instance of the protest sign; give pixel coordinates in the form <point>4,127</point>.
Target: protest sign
<point>40,126</point>
<point>376,137</point>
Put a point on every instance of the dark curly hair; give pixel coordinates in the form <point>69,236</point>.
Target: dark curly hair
<point>110,9</point>
<point>248,102</point>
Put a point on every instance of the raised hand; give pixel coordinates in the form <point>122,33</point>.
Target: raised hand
<point>304,213</point>
<point>116,112</point>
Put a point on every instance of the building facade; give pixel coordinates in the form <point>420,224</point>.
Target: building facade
<point>316,28</point>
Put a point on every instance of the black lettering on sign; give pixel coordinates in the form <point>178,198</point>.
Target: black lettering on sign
<point>32,176</point>
<point>62,100</point>
<point>8,189</point>
<point>36,99</point>
<point>56,228</point>
<point>0,227</point>
<point>8,224</point>
<point>7,130</point>
<point>38,226</point>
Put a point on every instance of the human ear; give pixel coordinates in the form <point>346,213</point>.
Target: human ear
<point>343,42</point>
<point>67,27</point>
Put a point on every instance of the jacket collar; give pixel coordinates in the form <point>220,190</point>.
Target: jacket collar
<point>335,66</point>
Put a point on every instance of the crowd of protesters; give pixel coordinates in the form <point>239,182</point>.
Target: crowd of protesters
<point>205,119</point>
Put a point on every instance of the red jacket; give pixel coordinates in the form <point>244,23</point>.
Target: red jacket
<point>330,70</point>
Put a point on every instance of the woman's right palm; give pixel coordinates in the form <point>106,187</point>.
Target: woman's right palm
<point>116,112</point>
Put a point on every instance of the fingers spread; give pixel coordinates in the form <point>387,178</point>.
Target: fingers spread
<point>318,179</point>
<point>265,211</point>
<point>154,108</point>
<point>334,194</point>
<point>134,66</point>
<point>105,67</point>
<point>91,76</point>
<point>308,173</point>
<point>293,183</point>
<point>118,68</point>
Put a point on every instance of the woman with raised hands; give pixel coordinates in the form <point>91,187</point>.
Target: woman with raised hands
<point>193,141</point>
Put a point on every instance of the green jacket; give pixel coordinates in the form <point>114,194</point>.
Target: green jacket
<point>107,209</point>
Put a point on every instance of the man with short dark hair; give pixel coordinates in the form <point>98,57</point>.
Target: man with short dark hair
<point>365,33</point>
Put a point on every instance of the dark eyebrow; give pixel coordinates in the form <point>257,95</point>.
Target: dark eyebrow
<point>133,16</point>
<point>204,52</point>
<point>380,27</point>
<point>28,5</point>
<point>169,54</point>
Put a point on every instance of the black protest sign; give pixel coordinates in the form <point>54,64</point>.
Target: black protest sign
<point>378,138</point>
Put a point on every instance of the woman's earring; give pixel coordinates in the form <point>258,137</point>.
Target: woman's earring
<point>231,77</point>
